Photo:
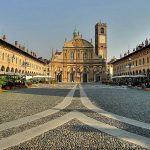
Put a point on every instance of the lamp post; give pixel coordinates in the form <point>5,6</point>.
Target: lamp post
<point>25,65</point>
<point>129,65</point>
<point>49,72</point>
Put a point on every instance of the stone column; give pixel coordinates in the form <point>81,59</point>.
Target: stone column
<point>94,77</point>
<point>87,77</point>
<point>82,77</point>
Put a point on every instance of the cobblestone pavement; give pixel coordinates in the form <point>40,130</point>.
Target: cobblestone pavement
<point>76,134</point>
<point>23,102</point>
<point>131,103</point>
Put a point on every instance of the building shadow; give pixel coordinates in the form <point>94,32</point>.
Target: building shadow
<point>44,91</point>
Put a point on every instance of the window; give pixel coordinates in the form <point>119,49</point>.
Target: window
<point>143,61</point>
<point>16,60</point>
<point>85,55</point>
<point>78,55</point>
<point>147,59</point>
<point>72,55</point>
<point>102,30</point>
<point>139,61</point>
<point>136,62</point>
<point>3,56</point>
<point>20,62</point>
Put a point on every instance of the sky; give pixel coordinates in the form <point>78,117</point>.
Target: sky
<point>43,25</point>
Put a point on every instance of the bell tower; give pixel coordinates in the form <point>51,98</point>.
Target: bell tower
<point>101,40</point>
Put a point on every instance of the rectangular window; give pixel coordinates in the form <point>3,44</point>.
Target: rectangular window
<point>65,55</point>
<point>16,60</point>
<point>72,55</point>
<point>20,62</point>
<point>3,56</point>
<point>78,55</point>
<point>147,59</point>
<point>84,56</point>
<point>139,61</point>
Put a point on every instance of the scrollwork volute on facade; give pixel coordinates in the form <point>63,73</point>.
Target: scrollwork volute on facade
<point>95,69</point>
<point>68,69</point>
<point>86,69</point>
<point>74,69</point>
<point>100,69</point>
<point>81,69</point>
<point>58,70</point>
<point>78,70</point>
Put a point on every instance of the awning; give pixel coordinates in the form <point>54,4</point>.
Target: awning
<point>38,76</point>
<point>129,76</point>
<point>10,73</point>
<point>2,72</point>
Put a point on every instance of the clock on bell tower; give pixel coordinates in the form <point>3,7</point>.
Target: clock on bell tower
<point>101,40</point>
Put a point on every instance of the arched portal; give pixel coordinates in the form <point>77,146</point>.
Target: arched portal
<point>85,77</point>
<point>7,69</point>
<point>58,76</point>
<point>12,69</point>
<point>16,70</point>
<point>2,68</point>
<point>72,76</point>
<point>97,77</point>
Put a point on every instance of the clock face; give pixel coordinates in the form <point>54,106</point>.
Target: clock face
<point>102,39</point>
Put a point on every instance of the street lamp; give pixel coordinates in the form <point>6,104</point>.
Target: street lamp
<point>25,64</point>
<point>49,72</point>
<point>129,65</point>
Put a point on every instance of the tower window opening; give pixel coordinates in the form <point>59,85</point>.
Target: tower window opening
<point>102,30</point>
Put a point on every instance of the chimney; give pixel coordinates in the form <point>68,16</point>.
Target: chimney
<point>23,48</point>
<point>128,52</point>
<point>16,43</point>
<point>91,40</point>
<point>4,37</point>
<point>19,46</point>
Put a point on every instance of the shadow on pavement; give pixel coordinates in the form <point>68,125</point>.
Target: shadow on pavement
<point>43,91</point>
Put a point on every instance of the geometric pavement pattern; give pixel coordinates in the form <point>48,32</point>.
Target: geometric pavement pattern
<point>15,139</point>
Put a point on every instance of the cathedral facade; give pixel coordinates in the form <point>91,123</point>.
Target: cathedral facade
<point>79,61</point>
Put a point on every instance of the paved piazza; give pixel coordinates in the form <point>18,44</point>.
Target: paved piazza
<point>70,116</point>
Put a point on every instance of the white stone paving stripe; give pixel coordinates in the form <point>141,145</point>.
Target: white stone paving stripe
<point>66,102</point>
<point>87,103</point>
<point>114,131</point>
<point>36,131</point>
